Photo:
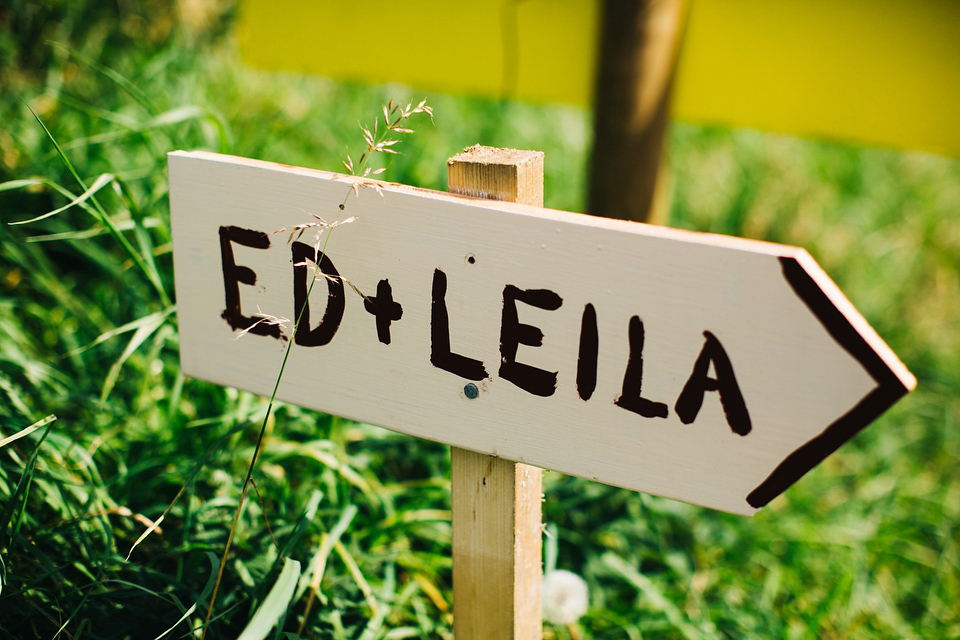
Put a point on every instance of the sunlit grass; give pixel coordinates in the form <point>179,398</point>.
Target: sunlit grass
<point>865,546</point>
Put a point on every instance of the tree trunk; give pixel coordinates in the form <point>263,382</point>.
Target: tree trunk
<point>638,54</point>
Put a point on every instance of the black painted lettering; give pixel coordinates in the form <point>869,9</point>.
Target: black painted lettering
<point>587,357</point>
<point>384,308</point>
<point>630,398</point>
<point>336,300</point>
<point>725,384</point>
<point>234,274</point>
<point>513,333</point>
<point>440,354</point>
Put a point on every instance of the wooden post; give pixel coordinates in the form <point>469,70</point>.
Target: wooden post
<point>639,44</point>
<point>496,503</point>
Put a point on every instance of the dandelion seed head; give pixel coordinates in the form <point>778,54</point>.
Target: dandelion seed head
<point>565,597</point>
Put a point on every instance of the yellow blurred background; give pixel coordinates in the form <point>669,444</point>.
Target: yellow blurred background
<point>872,72</point>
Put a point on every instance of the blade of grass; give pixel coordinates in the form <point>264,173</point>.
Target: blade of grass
<point>309,513</point>
<point>19,496</point>
<point>354,569</point>
<point>253,462</point>
<point>15,397</point>
<point>200,599</point>
<point>319,561</point>
<point>27,430</point>
<point>94,583</point>
<point>175,116</point>
<point>93,232</point>
<point>275,604</point>
<point>312,578</point>
<point>135,92</point>
<point>139,336</point>
<point>34,182</point>
<point>102,181</point>
<point>48,282</point>
<point>197,468</point>
<point>144,241</point>
<point>103,217</point>
<point>648,588</point>
<point>139,323</point>
<point>375,625</point>
<point>331,460</point>
<point>21,184</point>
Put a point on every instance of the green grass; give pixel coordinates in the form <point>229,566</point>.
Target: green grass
<point>867,545</point>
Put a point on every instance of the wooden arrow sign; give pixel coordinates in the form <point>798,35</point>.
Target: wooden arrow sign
<point>709,369</point>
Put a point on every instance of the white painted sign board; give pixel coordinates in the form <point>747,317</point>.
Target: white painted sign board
<point>709,369</point>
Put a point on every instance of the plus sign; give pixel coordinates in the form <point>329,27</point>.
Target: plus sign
<point>384,308</point>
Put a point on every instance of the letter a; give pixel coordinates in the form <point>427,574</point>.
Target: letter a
<point>691,398</point>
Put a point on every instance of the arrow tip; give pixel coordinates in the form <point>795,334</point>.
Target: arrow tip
<point>851,332</point>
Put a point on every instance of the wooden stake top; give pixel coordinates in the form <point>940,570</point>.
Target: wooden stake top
<point>511,175</point>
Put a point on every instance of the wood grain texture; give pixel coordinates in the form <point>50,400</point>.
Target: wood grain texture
<point>799,349</point>
<point>510,175</point>
<point>496,503</point>
<point>496,547</point>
